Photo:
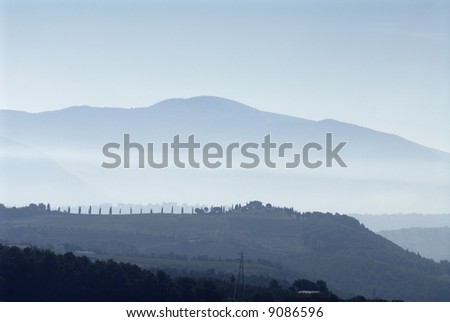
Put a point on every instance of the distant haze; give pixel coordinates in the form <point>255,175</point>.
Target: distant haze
<point>380,64</point>
<point>56,157</point>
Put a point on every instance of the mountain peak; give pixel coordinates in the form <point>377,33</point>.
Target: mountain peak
<point>203,103</point>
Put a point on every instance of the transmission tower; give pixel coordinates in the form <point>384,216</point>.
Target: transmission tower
<point>239,286</point>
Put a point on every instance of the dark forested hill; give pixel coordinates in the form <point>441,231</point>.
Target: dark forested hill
<point>318,246</point>
<point>31,274</point>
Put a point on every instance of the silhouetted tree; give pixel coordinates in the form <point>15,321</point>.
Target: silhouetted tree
<point>199,211</point>
<point>41,207</point>
<point>48,207</point>
<point>90,210</point>
<point>274,284</point>
<point>305,285</point>
<point>110,210</point>
<point>182,210</point>
<point>100,210</point>
<point>322,286</point>
<point>79,210</point>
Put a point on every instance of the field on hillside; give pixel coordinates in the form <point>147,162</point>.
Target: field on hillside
<point>276,244</point>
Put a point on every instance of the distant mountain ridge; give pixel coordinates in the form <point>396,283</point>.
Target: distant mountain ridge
<point>429,242</point>
<point>381,166</point>
<point>197,109</point>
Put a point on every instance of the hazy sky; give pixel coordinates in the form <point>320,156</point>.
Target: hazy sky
<point>380,64</point>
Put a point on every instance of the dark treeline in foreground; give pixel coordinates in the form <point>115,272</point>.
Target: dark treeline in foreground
<point>32,274</point>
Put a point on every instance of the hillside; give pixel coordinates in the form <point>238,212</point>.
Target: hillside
<point>336,248</point>
<point>429,242</point>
